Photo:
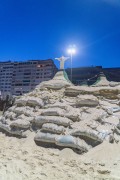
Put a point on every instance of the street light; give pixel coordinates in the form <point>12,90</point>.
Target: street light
<point>71,51</point>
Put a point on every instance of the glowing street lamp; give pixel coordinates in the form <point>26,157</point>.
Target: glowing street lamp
<point>71,51</point>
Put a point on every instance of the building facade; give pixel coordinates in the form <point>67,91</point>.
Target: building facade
<point>6,75</point>
<point>17,78</point>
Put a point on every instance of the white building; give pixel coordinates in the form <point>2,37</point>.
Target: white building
<point>17,78</point>
<point>6,74</point>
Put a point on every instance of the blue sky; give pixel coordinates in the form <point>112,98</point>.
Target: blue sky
<point>42,29</point>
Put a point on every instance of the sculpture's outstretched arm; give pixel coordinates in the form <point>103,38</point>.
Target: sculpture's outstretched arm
<point>58,59</point>
<point>62,61</point>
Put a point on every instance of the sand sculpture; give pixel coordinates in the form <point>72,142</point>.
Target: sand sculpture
<point>64,115</point>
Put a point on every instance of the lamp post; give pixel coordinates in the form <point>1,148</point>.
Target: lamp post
<point>71,51</point>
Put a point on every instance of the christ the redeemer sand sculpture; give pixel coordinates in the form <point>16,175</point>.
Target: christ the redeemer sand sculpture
<point>62,61</point>
<point>62,114</point>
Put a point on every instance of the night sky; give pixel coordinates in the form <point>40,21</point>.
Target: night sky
<point>43,29</point>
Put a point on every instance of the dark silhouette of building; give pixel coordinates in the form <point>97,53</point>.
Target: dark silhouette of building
<point>89,75</point>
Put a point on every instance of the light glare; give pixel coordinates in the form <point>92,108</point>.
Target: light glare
<point>71,51</point>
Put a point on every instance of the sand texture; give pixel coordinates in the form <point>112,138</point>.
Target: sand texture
<point>62,131</point>
<point>21,159</point>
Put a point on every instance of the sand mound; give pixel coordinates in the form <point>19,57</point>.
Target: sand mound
<point>105,152</point>
<point>21,159</point>
<point>63,115</point>
<point>59,116</point>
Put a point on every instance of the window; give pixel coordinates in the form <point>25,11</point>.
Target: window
<point>26,84</point>
<point>27,73</point>
<point>18,91</point>
<point>18,84</point>
<point>26,80</point>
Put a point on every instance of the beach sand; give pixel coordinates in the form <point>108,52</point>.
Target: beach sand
<point>22,159</point>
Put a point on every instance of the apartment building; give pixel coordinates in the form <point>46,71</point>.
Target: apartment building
<point>6,73</point>
<point>17,78</point>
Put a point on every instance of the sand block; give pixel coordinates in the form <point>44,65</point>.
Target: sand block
<point>87,100</point>
<point>45,137</point>
<point>53,128</point>
<point>40,120</point>
<point>19,123</point>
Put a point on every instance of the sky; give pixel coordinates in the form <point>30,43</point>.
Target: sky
<point>43,29</point>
